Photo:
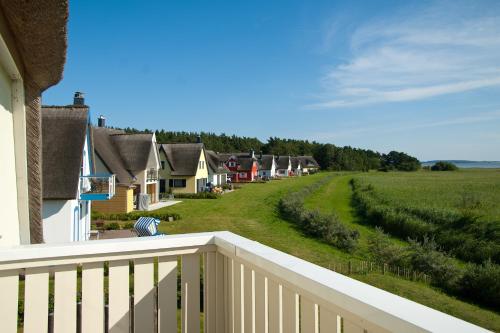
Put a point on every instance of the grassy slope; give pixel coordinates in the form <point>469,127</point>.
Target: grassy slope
<point>251,212</point>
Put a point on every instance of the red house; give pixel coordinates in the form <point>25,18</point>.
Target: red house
<point>243,166</point>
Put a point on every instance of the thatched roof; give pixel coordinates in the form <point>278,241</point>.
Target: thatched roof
<point>246,163</point>
<point>215,164</point>
<point>295,162</point>
<point>183,157</point>
<point>224,157</point>
<point>134,150</point>
<point>106,150</point>
<point>308,162</point>
<point>282,162</point>
<point>39,30</point>
<point>266,162</point>
<point>123,154</point>
<point>63,136</point>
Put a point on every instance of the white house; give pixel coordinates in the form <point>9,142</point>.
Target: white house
<point>283,166</point>
<point>69,183</point>
<point>217,170</point>
<point>308,164</point>
<point>267,166</point>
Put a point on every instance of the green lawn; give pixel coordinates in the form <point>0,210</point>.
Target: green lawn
<point>251,212</point>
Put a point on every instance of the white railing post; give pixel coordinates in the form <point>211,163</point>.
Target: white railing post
<point>9,285</point>
<point>167,294</point>
<point>190,293</point>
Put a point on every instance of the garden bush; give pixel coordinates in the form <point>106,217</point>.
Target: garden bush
<point>200,195</point>
<point>112,226</point>
<point>133,216</point>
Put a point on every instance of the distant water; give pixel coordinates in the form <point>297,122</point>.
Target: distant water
<point>468,164</point>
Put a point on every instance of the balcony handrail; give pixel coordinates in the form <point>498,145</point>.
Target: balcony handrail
<point>38,255</point>
<point>97,186</point>
<point>366,306</point>
<point>348,296</point>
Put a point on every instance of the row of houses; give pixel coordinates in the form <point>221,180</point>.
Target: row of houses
<point>103,169</point>
<point>191,168</point>
<point>248,167</point>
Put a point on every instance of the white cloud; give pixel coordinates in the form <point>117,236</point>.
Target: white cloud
<point>448,48</point>
<point>482,117</point>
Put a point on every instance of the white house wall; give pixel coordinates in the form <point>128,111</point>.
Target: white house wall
<point>14,215</point>
<point>57,220</point>
<point>63,221</point>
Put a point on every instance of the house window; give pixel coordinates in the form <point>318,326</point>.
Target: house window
<point>177,182</point>
<point>232,164</point>
<point>243,175</point>
<point>162,165</point>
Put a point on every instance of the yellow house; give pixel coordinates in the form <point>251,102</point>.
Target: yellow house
<point>183,168</point>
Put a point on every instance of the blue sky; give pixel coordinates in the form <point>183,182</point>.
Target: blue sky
<point>417,76</point>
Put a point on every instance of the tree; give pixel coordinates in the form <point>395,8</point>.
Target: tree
<point>444,166</point>
<point>399,161</point>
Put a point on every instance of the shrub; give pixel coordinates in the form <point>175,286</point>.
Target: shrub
<point>444,166</point>
<point>482,283</point>
<point>133,216</point>
<point>426,257</point>
<point>128,225</point>
<point>200,195</point>
<point>227,186</point>
<point>383,250</point>
<point>112,226</point>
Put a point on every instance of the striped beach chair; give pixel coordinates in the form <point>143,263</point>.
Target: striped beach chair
<point>147,226</point>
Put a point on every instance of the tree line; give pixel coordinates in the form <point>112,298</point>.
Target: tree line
<point>329,156</point>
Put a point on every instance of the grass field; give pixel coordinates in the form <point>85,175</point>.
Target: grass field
<point>441,190</point>
<point>251,212</point>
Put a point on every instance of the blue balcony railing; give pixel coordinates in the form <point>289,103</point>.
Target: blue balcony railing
<point>97,187</point>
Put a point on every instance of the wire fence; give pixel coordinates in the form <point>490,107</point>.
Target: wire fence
<point>366,267</point>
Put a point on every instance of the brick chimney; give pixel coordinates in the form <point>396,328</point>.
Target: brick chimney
<point>79,98</point>
<point>101,121</point>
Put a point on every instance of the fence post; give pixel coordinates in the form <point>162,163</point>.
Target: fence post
<point>349,269</point>
<point>383,269</point>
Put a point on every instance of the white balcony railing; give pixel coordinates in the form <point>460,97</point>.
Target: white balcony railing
<point>247,287</point>
<point>97,187</point>
<point>151,175</point>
